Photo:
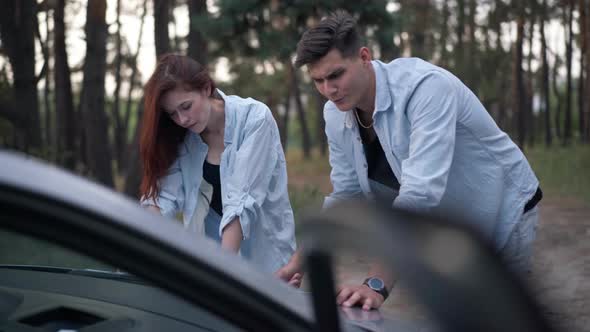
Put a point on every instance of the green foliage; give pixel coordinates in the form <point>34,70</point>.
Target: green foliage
<point>563,171</point>
<point>308,198</point>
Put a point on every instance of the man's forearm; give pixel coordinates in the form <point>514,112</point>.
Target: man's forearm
<point>378,270</point>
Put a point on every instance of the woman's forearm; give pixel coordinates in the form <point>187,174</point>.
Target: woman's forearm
<point>231,238</point>
<point>154,209</point>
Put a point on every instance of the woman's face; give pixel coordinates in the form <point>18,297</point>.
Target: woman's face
<point>188,109</point>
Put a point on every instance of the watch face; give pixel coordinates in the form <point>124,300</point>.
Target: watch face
<point>375,283</point>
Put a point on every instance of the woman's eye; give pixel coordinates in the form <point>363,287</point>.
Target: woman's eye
<point>186,106</point>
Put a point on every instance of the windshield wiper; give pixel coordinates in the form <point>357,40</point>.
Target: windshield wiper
<point>112,275</point>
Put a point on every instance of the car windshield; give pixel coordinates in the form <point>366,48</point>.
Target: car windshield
<point>26,251</point>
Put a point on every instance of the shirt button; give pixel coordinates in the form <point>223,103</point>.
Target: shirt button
<point>358,138</point>
<point>365,165</point>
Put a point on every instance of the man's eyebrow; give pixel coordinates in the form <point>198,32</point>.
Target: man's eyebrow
<point>330,74</point>
<point>336,72</point>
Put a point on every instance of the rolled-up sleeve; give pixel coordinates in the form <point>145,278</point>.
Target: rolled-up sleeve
<point>248,183</point>
<point>432,112</point>
<point>170,198</point>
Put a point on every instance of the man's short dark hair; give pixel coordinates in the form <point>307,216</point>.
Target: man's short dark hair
<point>338,31</point>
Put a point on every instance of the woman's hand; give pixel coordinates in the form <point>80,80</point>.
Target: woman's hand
<point>291,272</point>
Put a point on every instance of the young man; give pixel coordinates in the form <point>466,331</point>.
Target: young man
<point>412,133</point>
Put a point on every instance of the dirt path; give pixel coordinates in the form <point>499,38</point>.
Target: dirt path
<point>561,267</point>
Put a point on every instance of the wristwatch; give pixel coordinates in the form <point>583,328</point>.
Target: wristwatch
<point>377,285</point>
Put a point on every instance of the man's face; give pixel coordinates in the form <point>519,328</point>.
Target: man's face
<point>341,80</point>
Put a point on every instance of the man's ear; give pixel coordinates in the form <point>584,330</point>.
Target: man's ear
<point>365,55</point>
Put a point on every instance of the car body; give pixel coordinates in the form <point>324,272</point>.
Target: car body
<point>171,280</point>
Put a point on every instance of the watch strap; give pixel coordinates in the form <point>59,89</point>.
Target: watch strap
<point>383,291</point>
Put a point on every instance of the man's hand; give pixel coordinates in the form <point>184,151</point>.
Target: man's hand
<point>361,295</point>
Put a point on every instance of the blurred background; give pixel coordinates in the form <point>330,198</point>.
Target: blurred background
<point>72,71</point>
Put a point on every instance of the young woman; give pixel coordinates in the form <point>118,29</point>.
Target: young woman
<point>194,137</point>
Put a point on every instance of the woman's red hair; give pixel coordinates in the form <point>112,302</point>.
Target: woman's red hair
<point>160,137</point>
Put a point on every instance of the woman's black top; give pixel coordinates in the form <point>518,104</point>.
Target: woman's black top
<point>211,175</point>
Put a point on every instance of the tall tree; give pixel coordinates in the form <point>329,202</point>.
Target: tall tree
<point>132,172</point>
<point>519,103</point>
<point>558,96</point>
<point>161,20</point>
<point>567,125</point>
<point>119,146</point>
<point>585,112</point>
<point>17,31</point>
<point>459,45</point>
<point>46,76</point>
<point>471,71</point>
<point>296,93</point>
<point>583,104</point>
<point>417,14</point>
<point>64,101</point>
<point>530,92</point>
<point>98,151</point>
<point>197,44</point>
<point>444,31</point>
<point>319,101</point>
<point>545,75</point>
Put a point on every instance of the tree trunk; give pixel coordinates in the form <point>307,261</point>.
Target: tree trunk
<point>296,93</point>
<point>419,10</point>
<point>320,101</point>
<point>17,31</point>
<point>444,29</point>
<point>64,100</point>
<point>559,97</point>
<point>567,126</point>
<point>459,47</point>
<point>518,88</point>
<point>128,162</point>
<point>161,20</point>
<point>472,69</point>
<point>545,69</point>
<point>197,45</point>
<point>530,91</point>
<point>585,113</point>
<point>120,131</point>
<point>48,136</point>
<point>285,121</point>
<point>583,104</point>
<point>133,172</point>
<point>93,104</point>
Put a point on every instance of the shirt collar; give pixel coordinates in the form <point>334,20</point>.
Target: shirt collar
<point>229,118</point>
<point>382,95</point>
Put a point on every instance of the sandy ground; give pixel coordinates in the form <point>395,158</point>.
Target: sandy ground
<point>561,267</point>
